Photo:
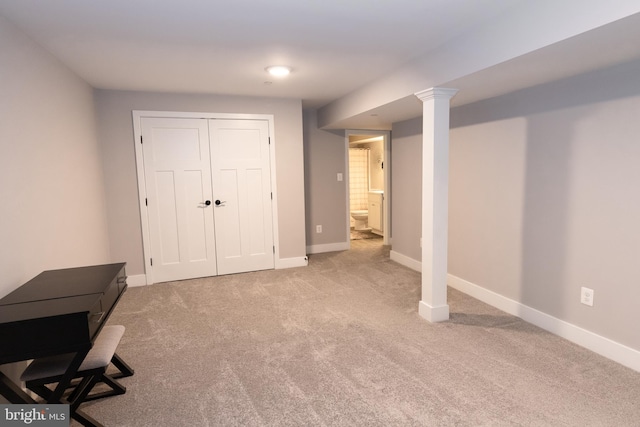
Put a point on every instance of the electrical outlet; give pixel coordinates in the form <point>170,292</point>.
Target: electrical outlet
<point>586,296</point>
<point>318,229</point>
<point>339,176</point>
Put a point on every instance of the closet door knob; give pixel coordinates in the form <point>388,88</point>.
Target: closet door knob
<point>218,202</point>
<point>208,202</point>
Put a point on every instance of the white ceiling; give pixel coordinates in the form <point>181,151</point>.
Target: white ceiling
<point>603,47</point>
<point>208,46</point>
<point>334,46</point>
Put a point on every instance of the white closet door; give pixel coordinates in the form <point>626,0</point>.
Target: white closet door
<point>241,171</point>
<point>178,182</point>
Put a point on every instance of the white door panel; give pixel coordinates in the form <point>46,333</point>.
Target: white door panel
<point>256,203</point>
<point>228,213</point>
<point>178,181</point>
<point>242,180</point>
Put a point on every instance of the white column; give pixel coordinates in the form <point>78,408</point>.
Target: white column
<point>435,189</point>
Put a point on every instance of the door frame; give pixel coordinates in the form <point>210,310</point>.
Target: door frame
<point>138,115</point>
<point>386,137</point>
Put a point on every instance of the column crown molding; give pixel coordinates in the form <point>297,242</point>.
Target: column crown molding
<point>436,92</point>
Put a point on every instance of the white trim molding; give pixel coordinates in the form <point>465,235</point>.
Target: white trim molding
<point>610,349</point>
<point>329,247</point>
<point>406,261</point>
<point>137,280</point>
<point>282,263</point>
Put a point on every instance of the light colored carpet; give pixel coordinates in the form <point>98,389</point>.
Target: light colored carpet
<point>359,235</point>
<point>340,343</point>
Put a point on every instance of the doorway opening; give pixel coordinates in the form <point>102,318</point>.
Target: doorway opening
<point>368,185</point>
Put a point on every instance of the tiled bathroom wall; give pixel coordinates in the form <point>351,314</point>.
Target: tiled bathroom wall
<point>358,178</point>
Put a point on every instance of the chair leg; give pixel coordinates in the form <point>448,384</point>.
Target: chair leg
<point>123,367</point>
<point>124,370</point>
<point>40,389</point>
<point>115,385</point>
<point>116,388</point>
<point>80,393</point>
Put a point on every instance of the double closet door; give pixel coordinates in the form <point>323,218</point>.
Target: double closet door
<point>208,196</point>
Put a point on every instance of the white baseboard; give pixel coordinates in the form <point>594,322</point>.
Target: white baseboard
<point>141,279</point>
<point>406,261</point>
<point>302,261</point>
<point>329,247</point>
<point>137,280</point>
<point>615,351</point>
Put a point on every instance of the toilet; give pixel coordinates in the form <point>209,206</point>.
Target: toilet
<point>360,217</point>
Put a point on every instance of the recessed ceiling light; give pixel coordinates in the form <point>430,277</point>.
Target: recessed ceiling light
<point>278,70</point>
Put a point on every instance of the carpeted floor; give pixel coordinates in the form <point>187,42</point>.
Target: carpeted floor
<point>360,235</point>
<point>340,343</point>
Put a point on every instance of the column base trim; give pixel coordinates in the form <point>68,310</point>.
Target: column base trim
<point>433,314</point>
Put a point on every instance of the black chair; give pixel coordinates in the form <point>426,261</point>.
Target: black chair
<point>49,370</point>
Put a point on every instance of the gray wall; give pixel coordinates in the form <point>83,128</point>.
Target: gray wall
<point>406,186</point>
<point>51,188</point>
<point>544,198</point>
<point>324,157</point>
<point>116,138</point>
<point>52,194</point>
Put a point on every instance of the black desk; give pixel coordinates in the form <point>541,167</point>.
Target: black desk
<point>57,312</point>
